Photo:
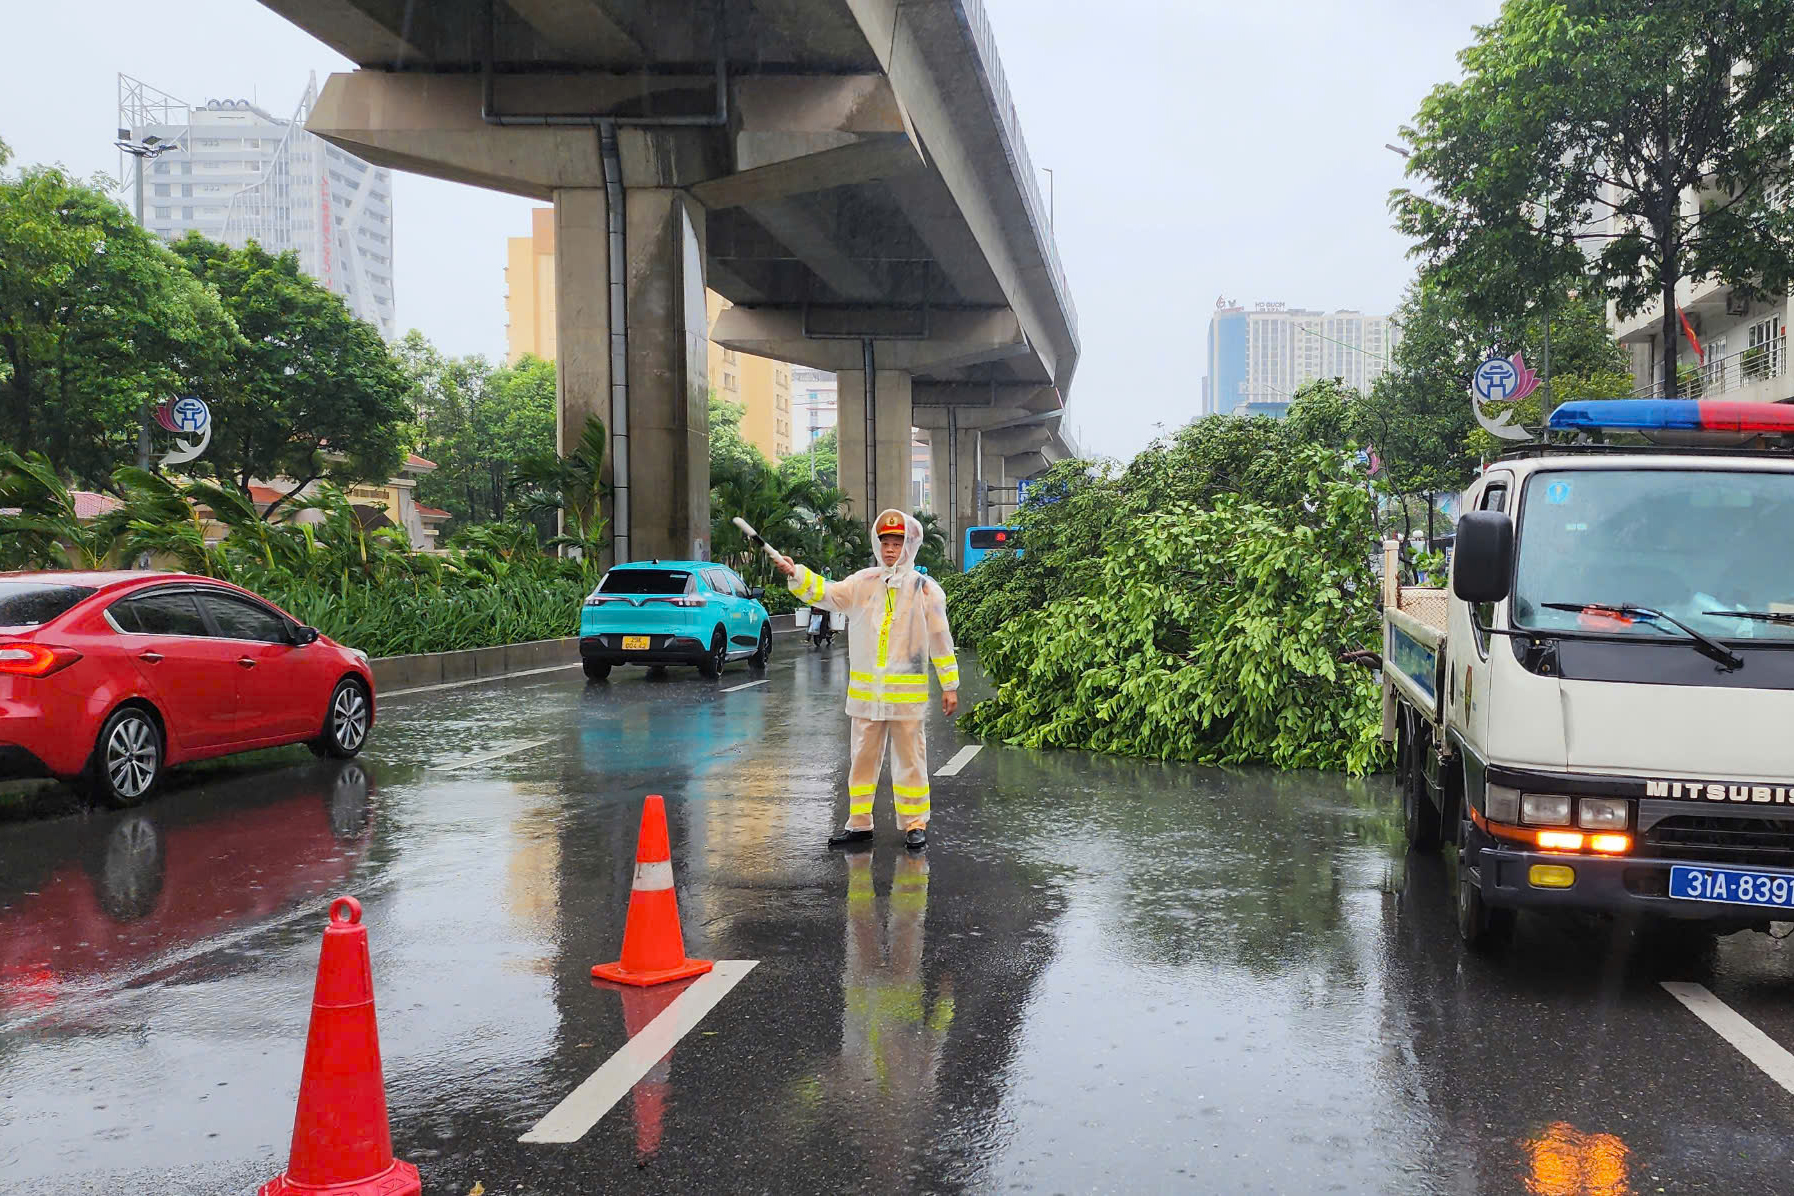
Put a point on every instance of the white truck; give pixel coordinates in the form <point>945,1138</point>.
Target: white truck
<point>1598,712</point>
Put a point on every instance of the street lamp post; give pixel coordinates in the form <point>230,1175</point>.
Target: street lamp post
<point>143,150</point>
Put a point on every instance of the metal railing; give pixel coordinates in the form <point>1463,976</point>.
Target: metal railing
<point>984,38</point>
<point>1734,371</point>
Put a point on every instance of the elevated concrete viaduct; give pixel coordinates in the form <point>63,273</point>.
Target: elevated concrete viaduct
<point>850,174</point>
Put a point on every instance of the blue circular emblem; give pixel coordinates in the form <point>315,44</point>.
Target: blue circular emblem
<point>1495,379</point>
<point>190,414</point>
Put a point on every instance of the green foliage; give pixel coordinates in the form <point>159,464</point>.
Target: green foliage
<point>477,420</point>
<point>1192,605</point>
<point>806,520</point>
<point>1208,633</point>
<point>820,460</point>
<point>573,489</point>
<point>312,392</point>
<point>97,317</point>
<point>1574,111</point>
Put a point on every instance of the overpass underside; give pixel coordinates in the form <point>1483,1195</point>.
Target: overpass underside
<point>848,173</point>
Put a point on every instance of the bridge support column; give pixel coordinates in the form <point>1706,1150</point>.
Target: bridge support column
<point>650,386</point>
<point>889,430</point>
<point>967,449</point>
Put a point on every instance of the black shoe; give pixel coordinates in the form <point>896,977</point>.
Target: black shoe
<point>916,838</point>
<point>847,836</point>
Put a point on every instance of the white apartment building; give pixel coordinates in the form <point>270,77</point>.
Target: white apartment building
<point>241,174</point>
<point>1259,358</point>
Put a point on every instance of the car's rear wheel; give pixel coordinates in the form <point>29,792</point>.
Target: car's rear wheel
<point>127,759</point>
<point>712,664</point>
<point>346,722</point>
<point>596,670</point>
<point>763,654</point>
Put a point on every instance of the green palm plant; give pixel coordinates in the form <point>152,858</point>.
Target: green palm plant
<point>158,520</point>
<point>39,527</point>
<point>572,487</point>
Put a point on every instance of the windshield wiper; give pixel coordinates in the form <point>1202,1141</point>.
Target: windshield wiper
<point>1704,644</point>
<point>1757,616</point>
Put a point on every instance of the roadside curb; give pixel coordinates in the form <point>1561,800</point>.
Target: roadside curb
<point>474,664</point>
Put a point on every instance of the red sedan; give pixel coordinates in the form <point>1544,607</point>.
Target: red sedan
<point>106,679</point>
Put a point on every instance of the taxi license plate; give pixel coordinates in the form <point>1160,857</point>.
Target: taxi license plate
<point>1735,886</point>
<point>637,643</point>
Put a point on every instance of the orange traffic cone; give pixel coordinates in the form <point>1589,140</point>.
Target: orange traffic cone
<point>640,1007</point>
<point>342,1145</point>
<point>653,947</point>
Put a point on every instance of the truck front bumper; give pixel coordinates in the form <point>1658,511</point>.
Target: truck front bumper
<point>1625,885</point>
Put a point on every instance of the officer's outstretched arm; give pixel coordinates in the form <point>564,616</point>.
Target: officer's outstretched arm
<point>812,590</point>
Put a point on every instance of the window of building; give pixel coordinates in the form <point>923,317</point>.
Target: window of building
<point>162,214</point>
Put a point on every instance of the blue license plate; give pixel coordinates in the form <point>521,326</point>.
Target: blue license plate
<point>1736,886</point>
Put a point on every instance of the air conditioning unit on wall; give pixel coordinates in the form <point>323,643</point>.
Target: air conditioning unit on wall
<point>1737,304</point>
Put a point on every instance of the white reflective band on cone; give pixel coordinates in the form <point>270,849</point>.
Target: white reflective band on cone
<point>654,876</point>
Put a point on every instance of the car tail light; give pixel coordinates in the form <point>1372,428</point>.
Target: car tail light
<point>691,600</point>
<point>22,659</point>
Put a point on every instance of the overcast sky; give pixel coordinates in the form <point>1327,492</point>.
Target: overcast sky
<point>1199,149</point>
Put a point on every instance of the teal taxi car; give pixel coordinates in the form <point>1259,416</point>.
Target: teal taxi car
<point>673,612</point>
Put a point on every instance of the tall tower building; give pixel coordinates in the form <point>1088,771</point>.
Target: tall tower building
<point>240,174</point>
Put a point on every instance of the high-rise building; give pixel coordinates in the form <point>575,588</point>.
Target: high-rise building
<point>762,386</point>
<point>814,402</point>
<point>240,174</point>
<point>1259,358</point>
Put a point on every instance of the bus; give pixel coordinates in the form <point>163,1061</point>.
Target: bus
<point>980,541</point>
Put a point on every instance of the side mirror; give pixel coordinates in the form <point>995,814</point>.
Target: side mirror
<point>1482,559</point>
<point>304,635</point>
<point>756,592</point>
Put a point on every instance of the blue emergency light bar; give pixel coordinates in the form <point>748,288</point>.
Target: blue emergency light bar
<point>1664,415</point>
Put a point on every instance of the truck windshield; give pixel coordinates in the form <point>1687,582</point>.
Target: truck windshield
<point>1713,548</point>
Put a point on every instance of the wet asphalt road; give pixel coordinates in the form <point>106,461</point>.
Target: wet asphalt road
<point>1102,976</point>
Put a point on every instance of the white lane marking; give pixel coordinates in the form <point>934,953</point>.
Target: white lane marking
<point>472,760</point>
<point>961,758</point>
<point>574,1117</point>
<point>430,689</point>
<point>1729,1024</point>
<point>749,685</point>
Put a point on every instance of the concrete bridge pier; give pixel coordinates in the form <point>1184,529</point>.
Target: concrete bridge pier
<point>880,416</point>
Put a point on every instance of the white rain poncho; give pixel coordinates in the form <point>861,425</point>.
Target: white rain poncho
<point>896,628</point>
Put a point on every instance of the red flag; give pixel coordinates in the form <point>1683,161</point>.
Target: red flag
<point>1692,339</point>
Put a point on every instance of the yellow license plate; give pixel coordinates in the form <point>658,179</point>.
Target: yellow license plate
<point>637,643</point>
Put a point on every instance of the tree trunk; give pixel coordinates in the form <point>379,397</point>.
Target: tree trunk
<point>1669,264</point>
<point>1670,335</point>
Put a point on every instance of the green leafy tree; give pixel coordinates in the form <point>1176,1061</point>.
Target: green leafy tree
<point>1208,633</point>
<point>820,460</point>
<point>314,393</point>
<point>39,527</point>
<point>477,421</point>
<point>97,318</point>
<point>1572,112</point>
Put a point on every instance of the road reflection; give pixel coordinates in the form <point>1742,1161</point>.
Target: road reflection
<point>90,898</point>
<point>1564,1161</point>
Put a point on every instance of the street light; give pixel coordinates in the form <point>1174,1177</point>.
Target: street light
<point>143,150</point>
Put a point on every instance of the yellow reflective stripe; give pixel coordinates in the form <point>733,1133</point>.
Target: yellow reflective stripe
<point>912,811</point>
<point>910,790</point>
<point>891,697</point>
<point>855,809</point>
<point>862,790</point>
<point>948,676</point>
<point>867,695</point>
<point>809,585</point>
<point>906,678</point>
<point>866,677</point>
<point>944,662</point>
<point>863,695</point>
<point>818,588</point>
<point>884,629</point>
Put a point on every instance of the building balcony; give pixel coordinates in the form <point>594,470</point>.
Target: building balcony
<point>1757,374</point>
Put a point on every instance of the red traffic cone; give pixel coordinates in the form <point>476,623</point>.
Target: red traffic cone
<point>640,1007</point>
<point>653,947</point>
<point>342,1145</point>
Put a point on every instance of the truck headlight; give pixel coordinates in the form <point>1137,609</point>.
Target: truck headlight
<point>1539,810</point>
<point>1501,804</point>
<point>1602,813</point>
